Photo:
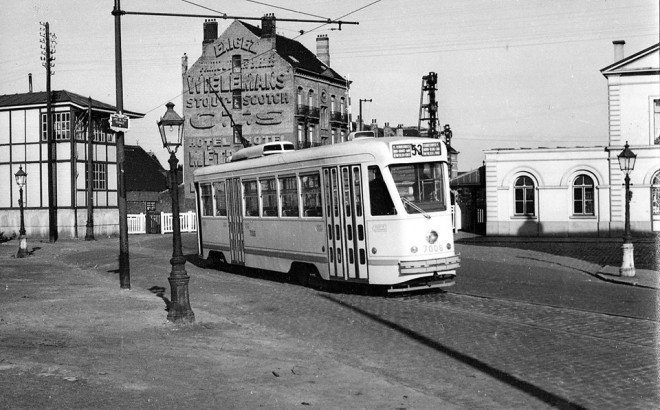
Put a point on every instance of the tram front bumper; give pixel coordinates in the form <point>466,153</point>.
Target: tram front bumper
<point>436,266</point>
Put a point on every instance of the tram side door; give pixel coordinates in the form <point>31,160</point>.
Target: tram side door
<point>235,218</point>
<point>342,188</point>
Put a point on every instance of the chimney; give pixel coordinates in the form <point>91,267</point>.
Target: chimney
<point>323,49</point>
<point>184,63</point>
<point>210,31</point>
<point>618,49</point>
<point>30,81</point>
<point>268,27</point>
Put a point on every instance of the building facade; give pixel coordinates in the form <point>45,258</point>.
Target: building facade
<point>580,191</point>
<point>270,86</point>
<point>24,144</point>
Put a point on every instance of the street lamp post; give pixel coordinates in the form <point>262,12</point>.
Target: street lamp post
<point>627,163</point>
<point>170,126</point>
<point>21,176</point>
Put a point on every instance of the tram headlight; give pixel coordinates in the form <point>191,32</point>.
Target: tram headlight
<point>431,237</point>
<point>413,249</point>
<point>448,246</point>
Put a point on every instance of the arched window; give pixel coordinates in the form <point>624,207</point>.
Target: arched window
<point>655,196</point>
<point>310,98</point>
<point>583,195</point>
<point>524,195</point>
<point>300,97</point>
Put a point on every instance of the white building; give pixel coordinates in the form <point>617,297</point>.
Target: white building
<point>579,191</point>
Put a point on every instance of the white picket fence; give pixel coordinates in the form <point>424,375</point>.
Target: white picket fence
<point>137,223</point>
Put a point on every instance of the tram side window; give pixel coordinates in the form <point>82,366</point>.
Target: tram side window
<point>220,198</point>
<point>251,198</point>
<point>207,200</point>
<point>289,196</point>
<point>379,198</point>
<point>268,197</point>
<point>311,195</point>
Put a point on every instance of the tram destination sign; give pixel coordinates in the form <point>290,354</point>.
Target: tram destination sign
<point>411,150</point>
<point>119,122</point>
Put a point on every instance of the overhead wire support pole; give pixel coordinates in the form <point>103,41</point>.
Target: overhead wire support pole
<point>124,266</point>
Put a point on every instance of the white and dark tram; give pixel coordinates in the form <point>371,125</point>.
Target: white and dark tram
<point>374,211</point>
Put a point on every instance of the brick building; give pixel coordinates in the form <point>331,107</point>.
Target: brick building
<point>270,85</point>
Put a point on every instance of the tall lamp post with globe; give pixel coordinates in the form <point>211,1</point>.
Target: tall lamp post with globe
<point>21,177</point>
<point>627,163</point>
<point>170,126</point>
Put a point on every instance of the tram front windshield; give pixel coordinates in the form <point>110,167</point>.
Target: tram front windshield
<point>420,186</point>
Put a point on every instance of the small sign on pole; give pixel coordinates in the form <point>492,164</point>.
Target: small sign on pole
<point>119,122</point>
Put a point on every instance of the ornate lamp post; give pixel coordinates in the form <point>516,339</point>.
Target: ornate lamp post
<point>627,164</point>
<point>171,131</point>
<point>21,176</point>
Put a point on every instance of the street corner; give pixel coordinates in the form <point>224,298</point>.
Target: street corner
<point>642,277</point>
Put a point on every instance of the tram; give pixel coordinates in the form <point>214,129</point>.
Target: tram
<point>374,211</point>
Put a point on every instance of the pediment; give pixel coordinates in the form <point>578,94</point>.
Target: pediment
<point>645,61</point>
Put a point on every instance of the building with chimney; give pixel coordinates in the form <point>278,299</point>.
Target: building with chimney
<point>579,191</point>
<point>24,144</point>
<point>252,86</point>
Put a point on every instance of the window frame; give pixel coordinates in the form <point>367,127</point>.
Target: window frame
<point>206,198</point>
<point>583,188</point>
<point>272,194</point>
<point>289,192</point>
<point>250,198</point>
<point>524,200</point>
<point>216,202</point>
<point>308,191</point>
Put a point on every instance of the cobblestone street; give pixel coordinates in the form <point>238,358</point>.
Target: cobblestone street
<point>72,339</point>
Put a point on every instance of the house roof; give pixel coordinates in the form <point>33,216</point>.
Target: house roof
<point>142,171</point>
<point>59,97</point>
<point>298,55</point>
<point>642,62</point>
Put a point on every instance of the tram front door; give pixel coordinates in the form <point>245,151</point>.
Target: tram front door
<point>235,219</point>
<point>344,216</point>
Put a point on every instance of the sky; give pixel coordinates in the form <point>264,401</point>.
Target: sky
<point>511,73</point>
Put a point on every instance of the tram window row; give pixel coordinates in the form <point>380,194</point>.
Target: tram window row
<point>290,196</point>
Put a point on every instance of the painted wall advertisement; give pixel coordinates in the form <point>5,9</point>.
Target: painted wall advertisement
<point>234,82</point>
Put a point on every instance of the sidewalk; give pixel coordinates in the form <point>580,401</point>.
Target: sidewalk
<point>589,252</point>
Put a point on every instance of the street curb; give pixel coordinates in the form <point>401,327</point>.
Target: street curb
<point>643,278</point>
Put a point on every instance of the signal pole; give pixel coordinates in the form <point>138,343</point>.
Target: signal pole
<point>361,119</point>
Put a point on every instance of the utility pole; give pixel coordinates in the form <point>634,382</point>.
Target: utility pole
<point>361,127</point>
<point>124,267</point>
<point>49,41</point>
<point>89,234</point>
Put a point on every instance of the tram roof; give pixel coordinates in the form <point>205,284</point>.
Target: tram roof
<point>370,147</point>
